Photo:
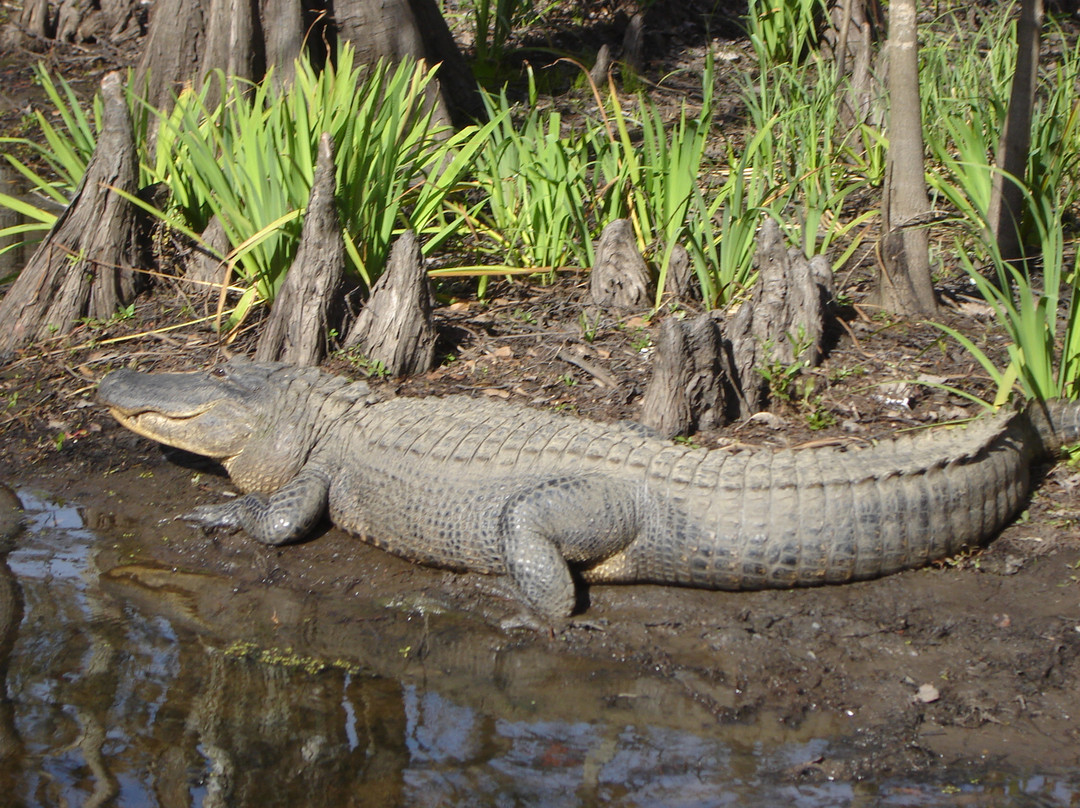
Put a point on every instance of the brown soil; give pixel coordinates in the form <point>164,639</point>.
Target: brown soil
<point>974,663</point>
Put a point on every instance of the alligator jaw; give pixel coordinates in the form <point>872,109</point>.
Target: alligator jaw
<point>177,409</point>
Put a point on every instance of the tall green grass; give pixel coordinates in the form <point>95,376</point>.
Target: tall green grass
<point>538,184</point>
<point>64,149</point>
<point>251,162</point>
<point>250,159</point>
<point>784,30</point>
<point>659,174</point>
<point>966,79</point>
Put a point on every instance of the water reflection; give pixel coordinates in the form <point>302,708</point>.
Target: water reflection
<point>11,614</point>
<point>124,686</point>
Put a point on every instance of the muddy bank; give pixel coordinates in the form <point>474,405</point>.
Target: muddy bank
<point>969,668</point>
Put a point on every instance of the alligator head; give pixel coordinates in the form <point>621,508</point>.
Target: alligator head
<point>256,419</point>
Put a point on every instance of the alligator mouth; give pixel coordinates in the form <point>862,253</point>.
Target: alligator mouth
<point>118,411</point>
<point>145,421</point>
<point>182,430</point>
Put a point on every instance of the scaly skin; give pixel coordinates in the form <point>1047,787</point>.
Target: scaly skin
<point>501,489</point>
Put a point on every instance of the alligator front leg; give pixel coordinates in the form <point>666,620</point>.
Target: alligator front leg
<point>575,519</point>
<point>287,515</point>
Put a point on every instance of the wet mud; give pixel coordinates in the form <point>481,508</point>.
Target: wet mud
<point>356,670</point>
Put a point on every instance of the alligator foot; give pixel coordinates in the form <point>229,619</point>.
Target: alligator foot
<point>213,517</point>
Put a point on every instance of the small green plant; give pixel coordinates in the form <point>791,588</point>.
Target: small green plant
<point>121,314</point>
<point>369,368</point>
<point>781,375</point>
<point>816,415</point>
<point>781,378</point>
<point>642,341</point>
<point>524,316</point>
<point>590,324</point>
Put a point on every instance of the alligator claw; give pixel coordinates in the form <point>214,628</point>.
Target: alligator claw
<point>211,517</point>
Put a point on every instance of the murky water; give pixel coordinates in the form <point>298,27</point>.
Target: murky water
<point>112,698</point>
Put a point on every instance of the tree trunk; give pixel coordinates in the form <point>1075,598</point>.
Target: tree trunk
<point>904,283</point>
<point>170,56</point>
<point>395,29</point>
<point>620,276</point>
<point>395,329</point>
<point>75,21</point>
<point>205,265</point>
<point>85,266</point>
<point>849,42</point>
<point>783,323</point>
<point>309,304</point>
<point>691,377</point>
<point>37,20</point>
<point>189,39</point>
<point>1007,194</point>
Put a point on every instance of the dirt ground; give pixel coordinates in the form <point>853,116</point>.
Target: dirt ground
<point>971,664</point>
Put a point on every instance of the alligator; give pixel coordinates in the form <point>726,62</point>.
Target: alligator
<point>547,500</point>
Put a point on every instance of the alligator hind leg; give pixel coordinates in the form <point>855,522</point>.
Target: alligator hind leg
<point>566,520</point>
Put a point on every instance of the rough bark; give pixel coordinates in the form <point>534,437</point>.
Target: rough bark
<point>679,282</point>
<point>170,56</point>
<point>205,266</point>
<point>394,29</point>
<point>189,39</point>
<point>904,284</point>
<point>85,266</point>
<point>784,320</point>
<point>620,276</point>
<point>75,21</point>
<point>37,19</point>
<point>688,388</point>
<point>1007,194</point>
<point>633,45</point>
<point>599,71</point>
<point>309,305</point>
<point>233,40</point>
<point>395,327</point>
<point>849,42</point>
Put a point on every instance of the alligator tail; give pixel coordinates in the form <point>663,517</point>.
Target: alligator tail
<point>1057,423</point>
